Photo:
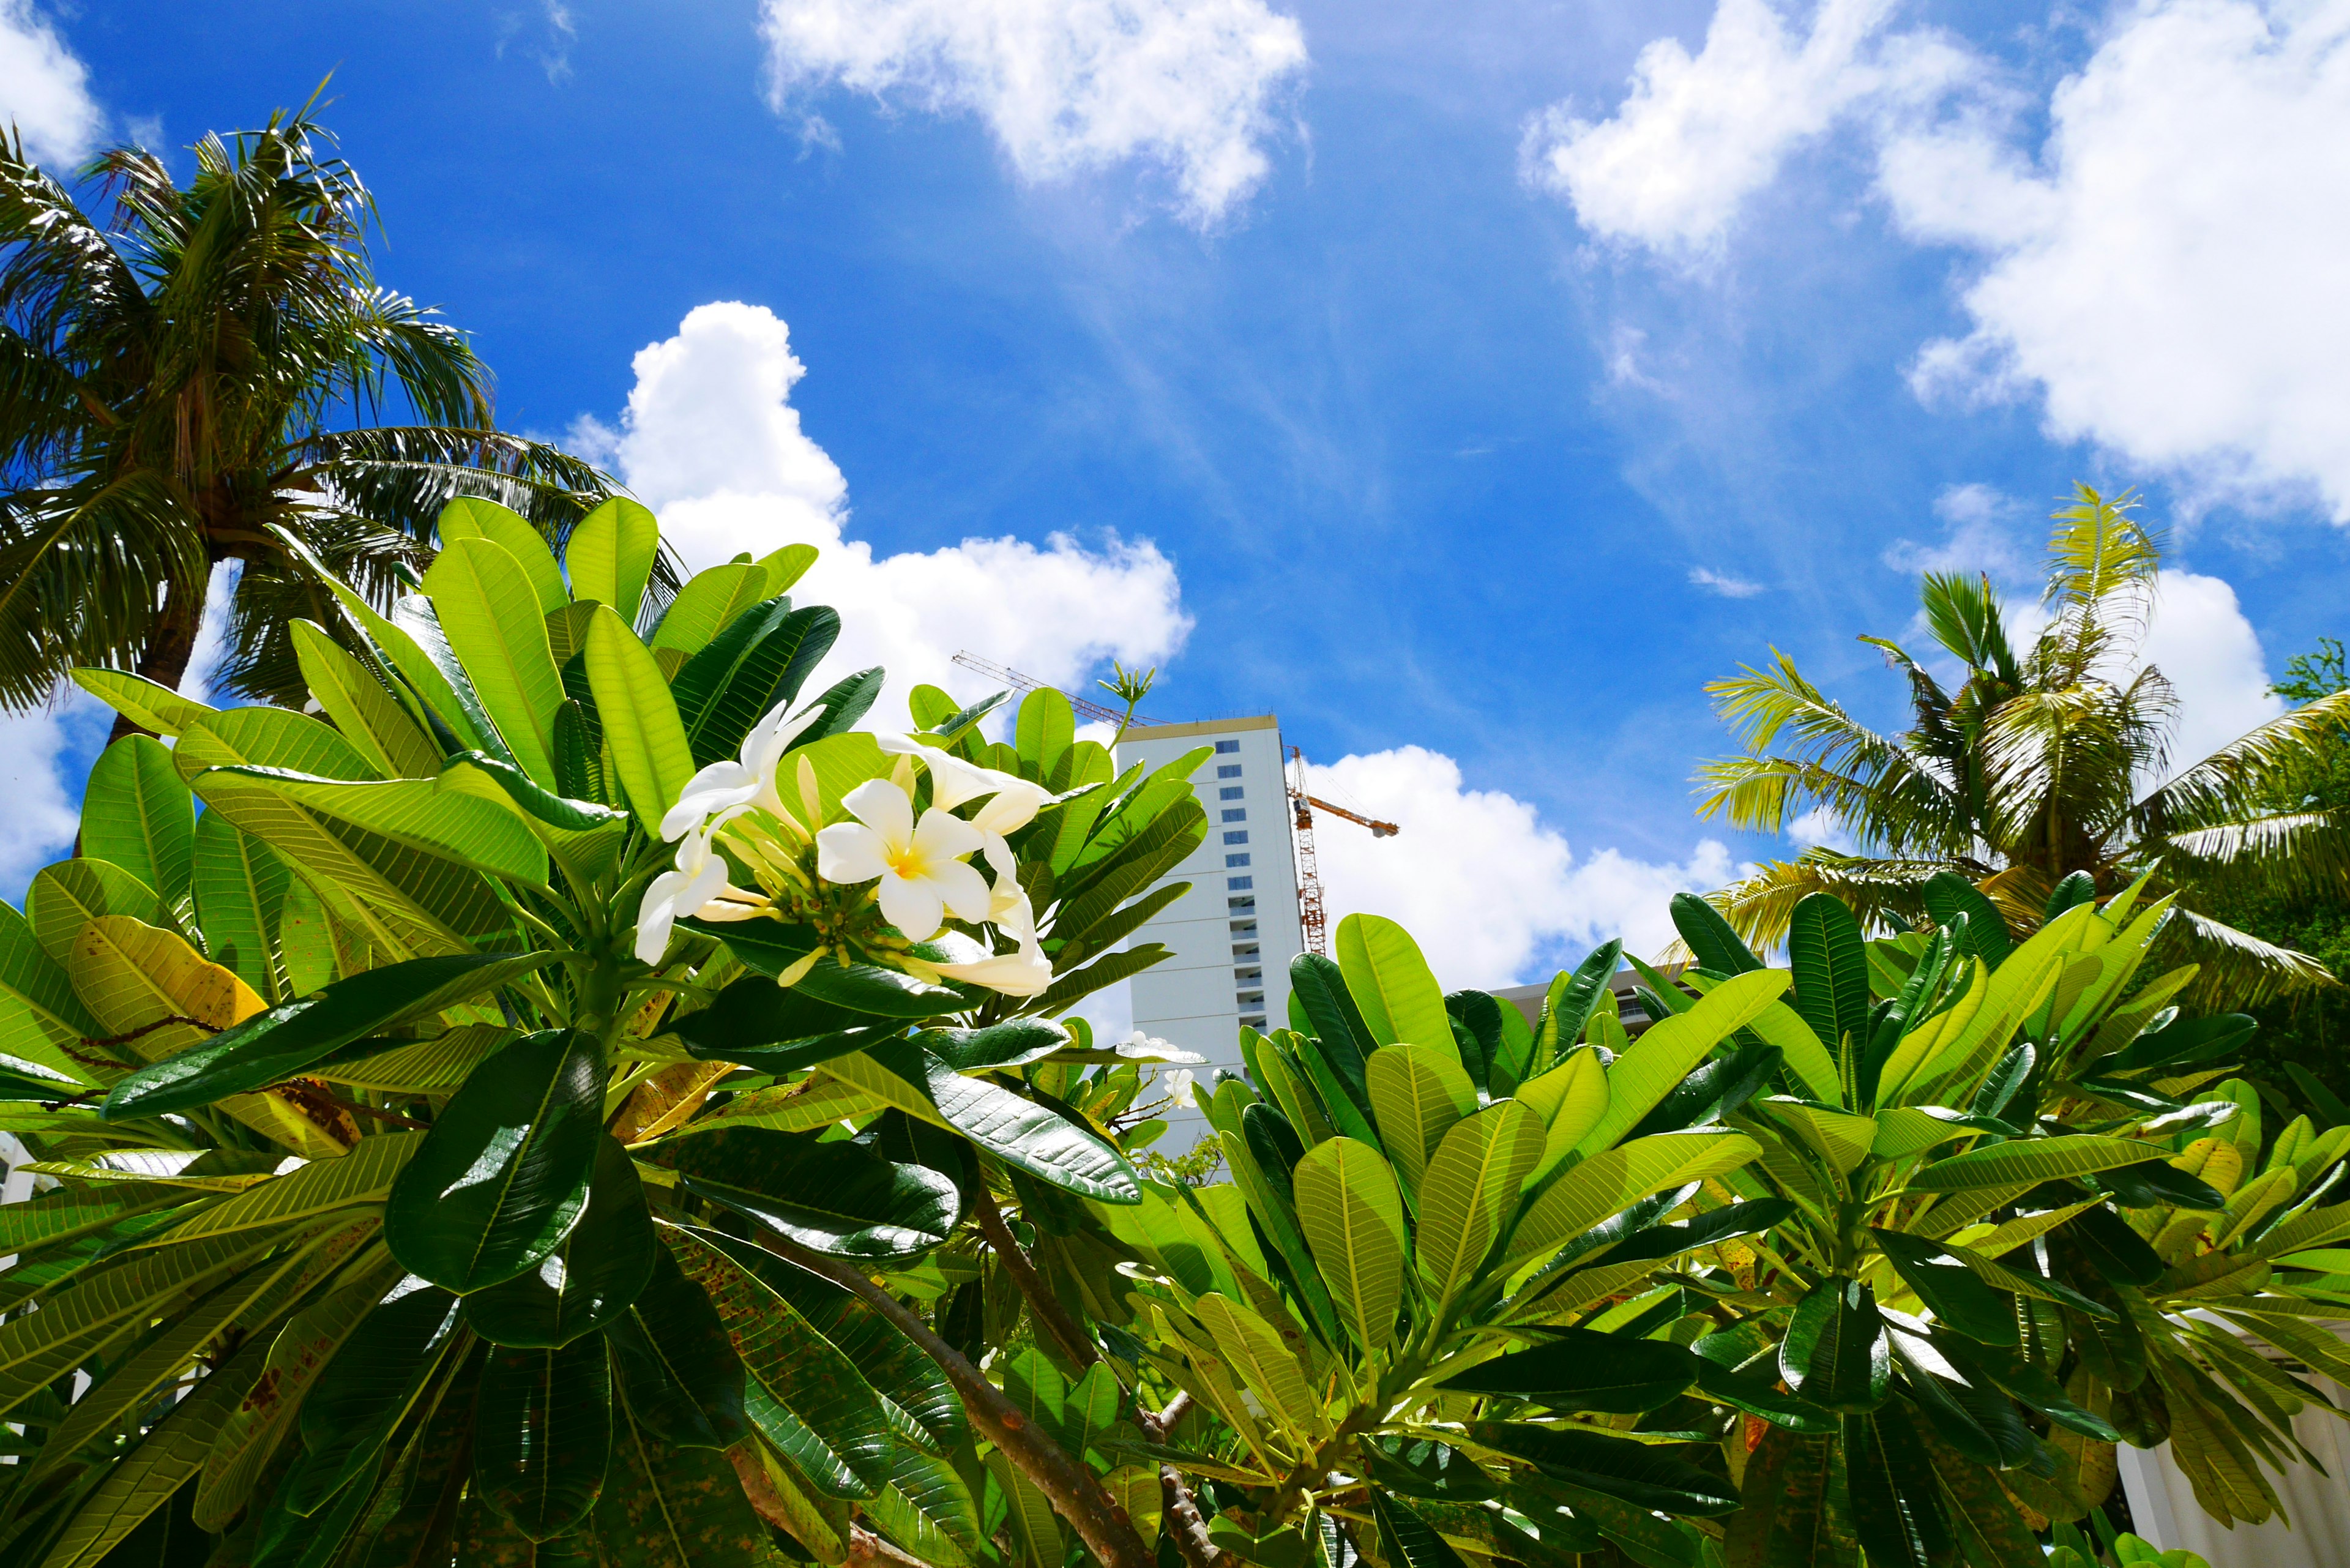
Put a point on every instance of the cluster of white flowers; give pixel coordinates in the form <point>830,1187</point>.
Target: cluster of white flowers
<point>922,866</point>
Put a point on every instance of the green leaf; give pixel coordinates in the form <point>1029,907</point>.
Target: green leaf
<point>1408,1540</point>
<point>448,823</point>
<point>1897,1508</point>
<point>1472,1189</point>
<point>759,660</point>
<point>677,1367</point>
<point>282,1042</point>
<point>68,896</point>
<point>1606,1183</point>
<point>34,976</point>
<point>1830,962</point>
<point>1795,1511</point>
<point>503,1176</point>
<point>1034,1528</point>
<point>707,602</point>
<point>137,814</point>
<point>1949,1289</point>
<point>371,719</point>
<point>240,893</point>
<point>490,614</point>
<point>1836,1353</point>
<point>610,556</point>
<point>1949,896</point>
<point>1021,1133</point>
<point>371,1384</point>
<point>479,775</point>
<point>1712,940</point>
<point>1602,1462</point>
<point>321,1186</point>
<point>586,1282</point>
<point>144,702</point>
<point>543,1435</point>
<point>1760,1395</point>
<point>1585,1369</point>
<point>1418,1092</point>
<point>429,1066</point>
<point>1567,1006</point>
<point>641,727</point>
<point>1659,1059</point>
<point>927,1509</point>
<point>475,517</point>
<point>1353,1219</point>
<point>667,1506</point>
<point>840,1199</point>
<point>1391,983</point>
<point>2031,1160</point>
<point>807,1399</point>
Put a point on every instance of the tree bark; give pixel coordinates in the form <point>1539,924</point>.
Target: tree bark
<point>1047,1306</point>
<point>1184,1524</point>
<point>169,646</point>
<point>1076,1493</point>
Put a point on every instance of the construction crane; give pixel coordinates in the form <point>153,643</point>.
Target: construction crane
<point>1085,707</point>
<point>1311,913</point>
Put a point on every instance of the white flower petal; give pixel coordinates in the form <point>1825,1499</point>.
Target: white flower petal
<point>885,808</point>
<point>913,906</point>
<point>962,887</point>
<point>850,852</point>
<point>943,835</point>
<point>1015,805</point>
<point>1024,974</point>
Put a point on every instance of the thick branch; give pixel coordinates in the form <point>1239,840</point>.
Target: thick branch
<point>1181,1514</point>
<point>1077,1494</point>
<point>865,1547</point>
<point>1047,1306</point>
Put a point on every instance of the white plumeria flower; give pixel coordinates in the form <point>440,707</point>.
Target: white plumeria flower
<point>1179,1085</point>
<point>699,880</point>
<point>953,781</point>
<point>723,787</point>
<point>921,865</point>
<point>1025,973</point>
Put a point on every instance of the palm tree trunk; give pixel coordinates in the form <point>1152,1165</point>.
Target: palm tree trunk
<point>168,648</point>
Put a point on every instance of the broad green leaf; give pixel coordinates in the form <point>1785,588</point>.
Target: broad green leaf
<point>138,815</point>
<point>1611,1180</point>
<point>811,1104</point>
<point>437,1065</point>
<point>586,1282</point>
<point>840,1199</point>
<point>543,1435</point>
<point>1391,983</point>
<point>1570,1097</point>
<point>475,517</point>
<point>1472,1189</point>
<point>36,978</point>
<point>302,1349</point>
<point>2036,1159</point>
<point>1406,1539</point>
<point>371,718</point>
<point>1836,1353</point>
<point>610,556</point>
<point>1801,1048</point>
<point>270,738</point>
<point>1585,1369</point>
<point>319,1188</point>
<point>1949,1289</point>
<point>927,1509</point>
<point>1711,939</point>
<point>1567,1006</point>
<point>669,1507</point>
<point>503,1176</point>
<point>240,895</point>
<point>787,566</point>
<point>770,948</point>
<point>68,894</point>
<point>675,1365</point>
<point>1253,1352</point>
<point>1036,1529</point>
<point>1842,1139</point>
<point>1353,1219</point>
<point>642,728</point>
<point>146,705</point>
<point>1659,1060</point>
<point>1966,1051</point>
<point>1613,1466</point>
<point>1416,1092</point>
<point>268,1046</point>
<point>447,824</point>
<point>385,1365</point>
<point>707,603</point>
<point>489,611</point>
<point>1020,1132</point>
<point>1047,729</point>
<point>807,1399</point>
<point>1830,964</point>
<point>762,658</point>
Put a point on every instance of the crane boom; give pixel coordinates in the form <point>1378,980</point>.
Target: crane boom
<point>1313,915</point>
<point>1379,829</point>
<point>1086,708</point>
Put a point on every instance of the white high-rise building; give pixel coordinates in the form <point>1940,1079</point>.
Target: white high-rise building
<point>1234,933</point>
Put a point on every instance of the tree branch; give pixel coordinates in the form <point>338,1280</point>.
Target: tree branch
<point>1181,1514</point>
<point>1075,1493</point>
<point>1047,1306</point>
<point>865,1547</point>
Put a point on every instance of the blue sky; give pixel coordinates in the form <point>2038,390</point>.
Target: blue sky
<point>1475,379</point>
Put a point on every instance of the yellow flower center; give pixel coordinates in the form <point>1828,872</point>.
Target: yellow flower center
<point>907,863</point>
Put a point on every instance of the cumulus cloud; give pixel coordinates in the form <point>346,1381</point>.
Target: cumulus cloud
<point>1699,134</point>
<point>2198,635</point>
<point>36,751</point>
<point>1067,85</point>
<point>44,89</point>
<point>1721,583</point>
<point>1493,894</point>
<point>1983,531</point>
<point>710,441</point>
<point>2166,273</point>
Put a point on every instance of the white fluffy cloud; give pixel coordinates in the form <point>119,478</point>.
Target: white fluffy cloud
<point>1485,885</point>
<point>1722,583</point>
<point>2199,637</point>
<point>44,89</point>
<point>1190,86</point>
<point>2166,272</point>
<point>1699,134</point>
<point>42,816</point>
<point>710,441</point>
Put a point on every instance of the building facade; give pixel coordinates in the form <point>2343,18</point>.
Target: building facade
<point>1234,933</point>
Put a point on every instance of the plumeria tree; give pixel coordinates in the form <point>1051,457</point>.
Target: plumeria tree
<point>434,1167</point>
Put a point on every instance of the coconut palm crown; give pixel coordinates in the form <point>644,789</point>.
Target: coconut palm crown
<point>2043,762</point>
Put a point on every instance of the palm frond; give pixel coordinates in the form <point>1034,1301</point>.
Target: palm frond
<point>2101,565</point>
<point>1760,705</point>
<point>2235,968</point>
<point>1963,614</point>
<point>83,571</point>
<point>2287,854</point>
<point>1763,904</point>
<point>2242,776</point>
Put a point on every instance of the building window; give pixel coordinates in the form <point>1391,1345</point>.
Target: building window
<point>1235,814</point>
<point>1255,1020</point>
<point>1255,999</point>
<point>1227,748</point>
<point>1244,928</point>
<point>1240,837</point>
<point>1240,906</point>
<point>1229,792</point>
<point>1231,861</point>
<point>1248,977</point>
<point>1245,951</point>
<point>1228,770</point>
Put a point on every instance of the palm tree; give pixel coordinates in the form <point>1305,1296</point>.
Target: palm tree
<point>2038,765</point>
<point>216,362</point>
